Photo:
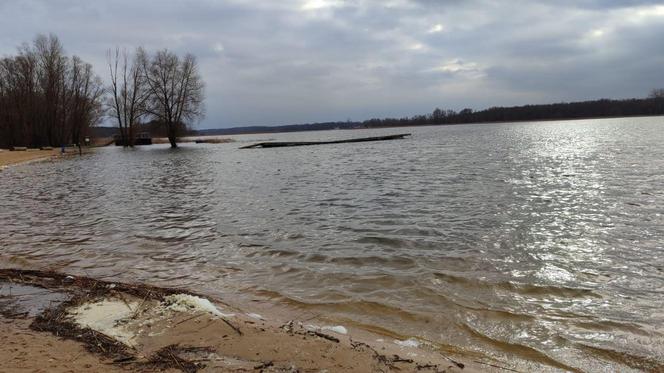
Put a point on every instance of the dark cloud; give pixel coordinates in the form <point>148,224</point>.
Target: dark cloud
<point>275,62</point>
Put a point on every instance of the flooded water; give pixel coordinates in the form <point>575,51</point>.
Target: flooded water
<point>537,245</point>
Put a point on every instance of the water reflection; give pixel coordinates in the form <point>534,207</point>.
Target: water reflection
<point>537,245</point>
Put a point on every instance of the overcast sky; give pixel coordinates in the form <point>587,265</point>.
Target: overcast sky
<point>270,62</point>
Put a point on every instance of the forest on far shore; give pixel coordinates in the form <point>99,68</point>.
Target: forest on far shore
<point>605,108</point>
<point>653,105</point>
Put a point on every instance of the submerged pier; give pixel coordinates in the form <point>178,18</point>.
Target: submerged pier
<point>278,144</point>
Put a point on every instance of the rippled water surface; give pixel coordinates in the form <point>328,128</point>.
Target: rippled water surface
<point>534,244</point>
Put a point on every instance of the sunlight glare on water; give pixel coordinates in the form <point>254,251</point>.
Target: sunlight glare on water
<point>538,245</point>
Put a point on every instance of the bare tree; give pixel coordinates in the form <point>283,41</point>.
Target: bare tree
<point>176,91</point>
<point>128,91</point>
<point>17,100</point>
<point>46,98</point>
<point>52,65</point>
<point>85,99</point>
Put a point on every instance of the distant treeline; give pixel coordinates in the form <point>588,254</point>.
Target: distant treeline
<point>574,110</point>
<point>605,108</point>
<point>46,97</point>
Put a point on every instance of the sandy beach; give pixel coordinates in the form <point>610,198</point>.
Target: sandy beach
<point>59,323</point>
<point>8,157</point>
<point>11,158</point>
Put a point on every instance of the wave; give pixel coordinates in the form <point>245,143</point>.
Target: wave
<point>625,358</point>
<point>523,351</point>
<point>520,288</point>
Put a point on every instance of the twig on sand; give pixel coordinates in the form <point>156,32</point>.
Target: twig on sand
<point>76,357</point>
<point>98,343</point>
<point>496,366</point>
<point>399,359</point>
<point>141,304</point>
<point>390,361</point>
<point>168,357</point>
<point>122,298</point>
<point>124,359</point>
<point>324,336</point>
<point>175,360</point>
<point>232,326</point>
<point>189,319</point>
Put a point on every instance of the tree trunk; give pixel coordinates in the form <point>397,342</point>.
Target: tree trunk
<point>131,136</point>
<point>172,132</point>
<point>171,139</point>
<point>123,136</point>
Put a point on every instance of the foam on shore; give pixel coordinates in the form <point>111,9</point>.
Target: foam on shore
<point>108,317</point>
<point>192,303</point>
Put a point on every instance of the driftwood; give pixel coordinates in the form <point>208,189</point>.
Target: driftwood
<point>306,143</point>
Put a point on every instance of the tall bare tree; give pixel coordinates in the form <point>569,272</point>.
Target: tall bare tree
<point>128,91</point>
<point>46,98</point>
<point>18,100</point>
<point>52,65</point>
<point>84,105</point>
<point>176,91</point>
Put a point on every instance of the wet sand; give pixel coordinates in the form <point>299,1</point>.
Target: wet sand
<point>58,323</point>
<point>10,158</point>
<point>15,157</point>
<point>26,350</point>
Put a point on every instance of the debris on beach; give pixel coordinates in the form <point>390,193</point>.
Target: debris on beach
<point>337,329</point>
<point>411,342</point>
<point>146,328</point>
<point>109,317</point>
<point>255,316</point>
<point>192,303</point>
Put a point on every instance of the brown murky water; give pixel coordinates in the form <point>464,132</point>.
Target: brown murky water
<point>540,245</point>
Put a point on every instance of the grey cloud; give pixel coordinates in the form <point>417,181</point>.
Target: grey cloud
<point>290,61</point>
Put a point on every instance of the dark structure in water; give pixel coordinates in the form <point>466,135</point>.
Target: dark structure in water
<point>143,138</point>
<point>276,144</point>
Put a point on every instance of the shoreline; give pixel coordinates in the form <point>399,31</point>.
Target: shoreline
<point>9,158</point>
<point>113,325</point>
<point>535,121</point>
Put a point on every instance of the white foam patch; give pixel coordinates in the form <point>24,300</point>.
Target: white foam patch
<point>311,327</point>
<point>255,316</point>
<point>408,343</point>
<point>107,317</point>
<point>337,329</point>
<point>192,303</point>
